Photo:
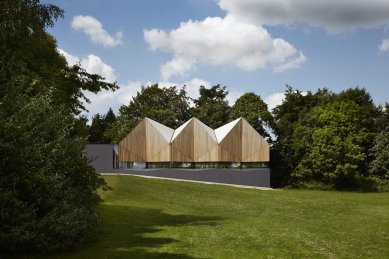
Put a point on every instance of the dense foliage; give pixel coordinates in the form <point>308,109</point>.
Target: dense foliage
<point>167,105</point>
<point>48,192</point>
<point>325,140</point>
<point>251,107</point>
<point>99,128</point>
<point>212,107</point>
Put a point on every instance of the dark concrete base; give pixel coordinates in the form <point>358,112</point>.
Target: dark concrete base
<point>259,177</point>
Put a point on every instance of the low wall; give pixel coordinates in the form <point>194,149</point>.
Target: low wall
<point>259,177</point>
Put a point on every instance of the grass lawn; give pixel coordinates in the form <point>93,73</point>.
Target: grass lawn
<point>148,218</point>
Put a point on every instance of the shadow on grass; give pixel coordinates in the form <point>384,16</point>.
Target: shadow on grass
<point>125,232</point>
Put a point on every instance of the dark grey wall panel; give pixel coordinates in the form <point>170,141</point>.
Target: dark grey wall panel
<point>259,177</point>
<point>101,156</point>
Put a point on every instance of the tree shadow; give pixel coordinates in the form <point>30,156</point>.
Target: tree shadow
<point>125,229</point>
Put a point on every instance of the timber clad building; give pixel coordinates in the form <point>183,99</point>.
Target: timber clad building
<point>193,144</point>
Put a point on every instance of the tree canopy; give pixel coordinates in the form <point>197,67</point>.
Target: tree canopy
<point>324,140</point>
<point>167,105</point>
<point>48,192</point>
<point>98,130</point>
<point>212,107</point>
<point>251,107</point>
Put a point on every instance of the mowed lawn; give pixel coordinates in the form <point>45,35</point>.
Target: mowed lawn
<point>149,218</point>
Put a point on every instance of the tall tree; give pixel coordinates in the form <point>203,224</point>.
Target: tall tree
<point>99,127</point>
<point>167,105</point>
<point>48,192</point>
<point>212,107</point>
<point>379,165</point>
<point>96,130</point>
<point>255,111</point>
<point>330,140</point>
<point>295,106</point>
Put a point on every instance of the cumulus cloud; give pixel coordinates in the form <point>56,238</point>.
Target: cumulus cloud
<point>92,64</point>
<point>384,45</point>
<point>295,62</point>
<point>274,100</point>
<point>103,100</point>
<point>221,41</point>
<point>94,29</point>
<point>334,15</point>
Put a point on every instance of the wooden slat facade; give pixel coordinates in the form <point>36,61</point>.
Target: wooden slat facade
<point>146,143</point>
<point>205,143</point>
<point>194,142</point>
<point>231,145</point>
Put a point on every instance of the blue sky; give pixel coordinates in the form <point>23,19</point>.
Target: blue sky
<point>247,45</point>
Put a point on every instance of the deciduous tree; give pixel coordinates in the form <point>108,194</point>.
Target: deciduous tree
<point>48,192</point>
<point>255,111</point>
<point>166,105</point>
<point>212,107</point>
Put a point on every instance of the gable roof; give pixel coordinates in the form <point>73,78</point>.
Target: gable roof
<point>222,131</point>
<point>165,131</point>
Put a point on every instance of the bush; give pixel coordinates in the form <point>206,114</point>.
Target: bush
<point>48,192</point>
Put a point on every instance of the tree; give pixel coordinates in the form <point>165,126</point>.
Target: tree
<point>99,127</point>
<point>48,192</point>
<point>295,106</point>
<point>255,111</point>
<point>81,128</point>
<point>379,152</point>
<point>324,139</point>
<point>330,140</point>
<point>96,130</point>
<point>212,107</point>
<point>167,105</point>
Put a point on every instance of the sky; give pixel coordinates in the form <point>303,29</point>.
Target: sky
<point>255,46</point>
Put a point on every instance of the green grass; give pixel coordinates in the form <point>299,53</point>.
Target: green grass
<point>148,218</point>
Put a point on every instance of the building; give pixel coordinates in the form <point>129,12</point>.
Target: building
<point>193,144</point>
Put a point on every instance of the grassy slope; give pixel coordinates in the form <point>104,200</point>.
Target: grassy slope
<point>144,218</point>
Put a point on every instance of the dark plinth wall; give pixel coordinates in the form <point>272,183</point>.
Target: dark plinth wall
<point>104,159</point>
<point>259,177</point>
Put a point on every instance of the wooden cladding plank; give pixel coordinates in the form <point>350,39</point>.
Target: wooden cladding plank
<point>157,145</point>
<point>193,142</point>
<point>182,147</point>
<point>231,145</point>
<point>133,146</point>
<point>254,147</point>
<point>204,142</point>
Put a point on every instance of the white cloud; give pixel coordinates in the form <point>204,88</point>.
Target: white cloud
<point>384,45</point>
<point>176,66</point>
<point>103,100</point>
<point>291,64</point>
<point>334,15</point>
<point>274,100</point>
<point>193,87</point>
<point>72,60</point>
<point>233,95</point>
<point>94,29</point>
<point>92,64</point>
<point>221,41</point>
